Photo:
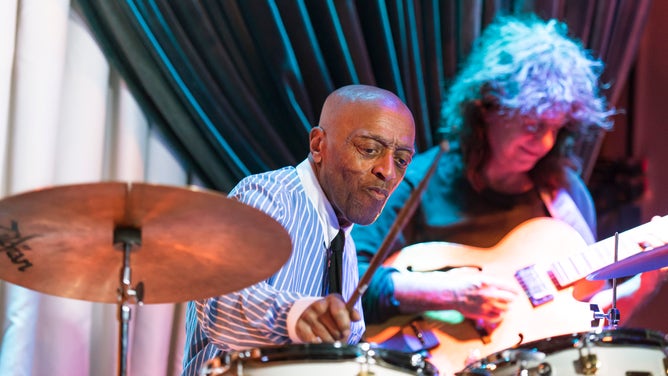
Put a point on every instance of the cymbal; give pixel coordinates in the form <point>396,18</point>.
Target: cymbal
<point>194,243</point>
<point>652,259</point>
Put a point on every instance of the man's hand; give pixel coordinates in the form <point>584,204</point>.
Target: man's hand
<point>326,320</point>
<point>474,294</point>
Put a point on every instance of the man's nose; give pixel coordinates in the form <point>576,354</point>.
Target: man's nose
<point>384,167</point>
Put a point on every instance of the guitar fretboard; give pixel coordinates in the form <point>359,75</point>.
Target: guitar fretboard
<point>601,254</point>
<point>541,281</point>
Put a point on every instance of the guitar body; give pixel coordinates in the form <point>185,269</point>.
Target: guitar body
<point>536,242</point>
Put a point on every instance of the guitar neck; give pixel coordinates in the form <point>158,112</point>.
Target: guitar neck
<point>601,254</point>
<point>540,281</point>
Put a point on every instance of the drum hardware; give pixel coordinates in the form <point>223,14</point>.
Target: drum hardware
<point>183,243</point>
<point>613,316</point>
<point>586,364</point>
<point>366,359</point>
<point>127,237</point>
<point>218,365</point>
<point>525,358</point>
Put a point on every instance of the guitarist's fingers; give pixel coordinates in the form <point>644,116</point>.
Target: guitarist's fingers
<point>504,296</point>
<point>486,312</point>
<point>480,280</point>
<point>485,303</point>
<point>498,301</point>
<point>500,284</point>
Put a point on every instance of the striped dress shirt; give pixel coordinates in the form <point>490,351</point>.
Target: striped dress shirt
<point>257,316</point>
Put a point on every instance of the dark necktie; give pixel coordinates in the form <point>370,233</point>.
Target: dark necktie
<point>334,265</point>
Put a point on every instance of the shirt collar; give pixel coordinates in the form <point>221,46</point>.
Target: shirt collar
<point>319,200</point>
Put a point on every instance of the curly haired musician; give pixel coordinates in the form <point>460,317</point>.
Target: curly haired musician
<point>526,92</point>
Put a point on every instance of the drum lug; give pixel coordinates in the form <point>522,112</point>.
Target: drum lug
<point>587,364</point>
<point>365,359</point>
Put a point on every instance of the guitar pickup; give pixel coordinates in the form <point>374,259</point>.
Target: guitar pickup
<point>538,289</point>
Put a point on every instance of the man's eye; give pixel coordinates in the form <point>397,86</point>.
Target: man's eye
<point>531,128</point>
<point>402,161</point>
<point>370,150</point>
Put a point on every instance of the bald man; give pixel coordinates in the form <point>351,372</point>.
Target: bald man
<point>358,155</point>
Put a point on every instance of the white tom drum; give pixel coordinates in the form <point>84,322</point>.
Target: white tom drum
<point>321,360</point>
<point>615,352</point>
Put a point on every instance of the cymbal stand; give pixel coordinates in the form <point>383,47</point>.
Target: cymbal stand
<point>613,315</point>
<point>127,237</point>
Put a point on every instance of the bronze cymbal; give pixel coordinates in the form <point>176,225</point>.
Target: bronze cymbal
<point>652,259</point>
<point>194,243</point>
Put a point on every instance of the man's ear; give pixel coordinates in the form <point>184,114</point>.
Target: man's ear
<point>316,141</point>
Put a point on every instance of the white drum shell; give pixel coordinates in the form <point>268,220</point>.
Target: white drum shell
<point>620,352</point>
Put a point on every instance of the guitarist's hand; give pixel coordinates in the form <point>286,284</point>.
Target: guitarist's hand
<point>475,295</point>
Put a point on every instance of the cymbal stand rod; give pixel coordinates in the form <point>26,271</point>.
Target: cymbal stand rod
<point>124,311</point>
<point>614,312</point>
<point>612,317</point>
<point>126,293</point>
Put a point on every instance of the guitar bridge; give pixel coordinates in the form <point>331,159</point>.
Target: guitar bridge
<point>538,289</point>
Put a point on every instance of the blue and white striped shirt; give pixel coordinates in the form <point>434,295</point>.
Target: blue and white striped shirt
<point>258,315</point>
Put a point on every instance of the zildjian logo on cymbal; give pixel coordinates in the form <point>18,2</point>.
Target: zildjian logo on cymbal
<point>12,243</point>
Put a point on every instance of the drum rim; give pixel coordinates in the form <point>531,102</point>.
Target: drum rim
<point>293,353</point>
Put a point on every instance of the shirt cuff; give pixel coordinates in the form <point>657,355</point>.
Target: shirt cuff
<point>295,313</point>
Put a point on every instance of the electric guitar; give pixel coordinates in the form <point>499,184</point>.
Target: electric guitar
<point>553,259</point>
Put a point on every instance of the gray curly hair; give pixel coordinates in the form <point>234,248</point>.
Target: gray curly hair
<point>528,66</point>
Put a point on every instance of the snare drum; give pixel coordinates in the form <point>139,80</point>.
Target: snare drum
<point>615,352</point>
<point>320,359</point>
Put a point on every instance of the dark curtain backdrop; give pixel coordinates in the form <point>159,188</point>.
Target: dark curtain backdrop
<point>236,85</point>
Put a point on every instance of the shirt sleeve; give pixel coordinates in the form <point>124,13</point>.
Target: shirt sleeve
<point>257,315</point>
<point>583,200</point>
<point>253,317</point>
